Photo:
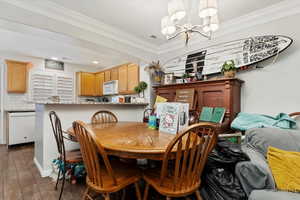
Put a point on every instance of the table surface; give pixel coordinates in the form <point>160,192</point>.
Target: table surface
<point>131,139</point>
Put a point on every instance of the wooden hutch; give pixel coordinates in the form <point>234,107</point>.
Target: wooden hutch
<point>210,93</point>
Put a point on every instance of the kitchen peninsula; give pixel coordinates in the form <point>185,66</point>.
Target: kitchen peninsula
<point>45,146</point>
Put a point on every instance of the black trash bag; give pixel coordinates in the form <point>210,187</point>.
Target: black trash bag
<point>219,181</point>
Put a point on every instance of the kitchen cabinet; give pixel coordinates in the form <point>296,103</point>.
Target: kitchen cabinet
<point>114,74</point>
<point>16,76</point>
<point>107,76</point>
<point>17,123</point>
<point>91,84</point>
<point>133,77</point>
<point>128,78</point>
<point>86,83</point>
<point>123,79</point>
<point>99,83</point>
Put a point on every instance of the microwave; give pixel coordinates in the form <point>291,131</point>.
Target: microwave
<point>110,87</point>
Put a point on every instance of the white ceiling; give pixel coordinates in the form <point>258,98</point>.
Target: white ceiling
<point>142,17</point>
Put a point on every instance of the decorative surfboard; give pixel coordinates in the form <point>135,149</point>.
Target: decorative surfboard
<point>244,52</point>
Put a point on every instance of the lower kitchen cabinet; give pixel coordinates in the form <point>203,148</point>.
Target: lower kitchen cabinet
<point>21,127</point>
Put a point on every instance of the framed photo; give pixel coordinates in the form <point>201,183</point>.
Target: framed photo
<point>169,78</point>
<point>53,64</point>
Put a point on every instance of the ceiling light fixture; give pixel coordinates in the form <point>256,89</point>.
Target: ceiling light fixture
<point>172,25</point>
<point>95,62</point>
<point>54,58</point>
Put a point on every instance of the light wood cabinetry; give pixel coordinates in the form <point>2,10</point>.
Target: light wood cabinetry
<point>91,84</point>
<point>16,76</point>
<point>123,81</point>
<point>107,75</point>
<point>133,77</point>
<point>86,83</point>
<point>99,83</point>
<point>128,78</point>
<point>115,74</point>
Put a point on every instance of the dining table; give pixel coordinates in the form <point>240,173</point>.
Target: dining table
<point>130,139</point>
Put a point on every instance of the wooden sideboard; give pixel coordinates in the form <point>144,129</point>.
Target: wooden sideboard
<point>211,93</point>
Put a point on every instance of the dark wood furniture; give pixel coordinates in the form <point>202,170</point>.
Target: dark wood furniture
<point>67,157</point>
<point>103,177</point>
<point>295,114</point>
<point>186,96</point>
<point>104,116</point>
<point>130,140</point>
<point>182,176</point>
<point>211,93</point>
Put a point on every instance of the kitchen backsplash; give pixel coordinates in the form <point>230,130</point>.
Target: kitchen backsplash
<point>18,102</point>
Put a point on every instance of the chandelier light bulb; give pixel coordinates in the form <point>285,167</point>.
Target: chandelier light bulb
<point>176,10</point>
<point>167,26</point>
<point>211,24</point>
<point>208,8</point>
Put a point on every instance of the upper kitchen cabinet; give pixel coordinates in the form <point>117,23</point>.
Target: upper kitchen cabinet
<point>122,77</point>
<point>114,73</point>
<point>99,83</point>
<point>86,83</point>
<point>17,73</point>
<point>128,78</point>
<point>107,75</point>
<point>133,77</point>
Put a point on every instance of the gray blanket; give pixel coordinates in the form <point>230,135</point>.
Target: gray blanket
<point>256,174</point>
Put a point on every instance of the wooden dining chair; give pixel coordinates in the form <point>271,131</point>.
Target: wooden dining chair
<point>183,163</point>
<point>103,176</point>
<point>104,116</point>
<point>65,157</point>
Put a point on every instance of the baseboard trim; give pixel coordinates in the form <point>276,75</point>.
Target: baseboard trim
<point>43,173</point>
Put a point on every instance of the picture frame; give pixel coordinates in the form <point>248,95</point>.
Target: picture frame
<point>169,78</point>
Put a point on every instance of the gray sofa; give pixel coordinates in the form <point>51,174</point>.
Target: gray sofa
<point>255,175</point>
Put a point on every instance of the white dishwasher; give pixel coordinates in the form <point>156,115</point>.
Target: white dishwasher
<point>21,127</point>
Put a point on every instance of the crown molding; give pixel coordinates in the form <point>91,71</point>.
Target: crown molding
<point>60,13</point>
<point>280,10</point>
<point>54,11</point>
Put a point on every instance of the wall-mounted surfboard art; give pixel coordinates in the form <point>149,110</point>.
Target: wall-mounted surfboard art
<point>244,52</point>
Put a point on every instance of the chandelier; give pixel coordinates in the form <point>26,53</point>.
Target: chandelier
<point>178,22</point>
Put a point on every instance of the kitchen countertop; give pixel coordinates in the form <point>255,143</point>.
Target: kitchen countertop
<point>90,103</point>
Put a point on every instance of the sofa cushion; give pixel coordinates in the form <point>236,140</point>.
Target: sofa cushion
<point>285,166</point>
<point>261,138</point>
<point>273,195</point>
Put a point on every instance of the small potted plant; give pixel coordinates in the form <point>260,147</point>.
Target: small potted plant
<point>186,77</point>
<point>141,87</point>
<point>229,69</point>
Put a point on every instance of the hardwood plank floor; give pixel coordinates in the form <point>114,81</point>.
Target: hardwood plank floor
<point>21,180</point>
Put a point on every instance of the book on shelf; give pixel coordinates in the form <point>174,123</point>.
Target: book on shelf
<point>210,114</point>
<point>206,114</point>
<point>218,115</point>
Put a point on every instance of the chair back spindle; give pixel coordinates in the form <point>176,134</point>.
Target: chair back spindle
<point>104,116</point>
<point>191,148</point>
<point>90,148</point>
<point>58,134</point>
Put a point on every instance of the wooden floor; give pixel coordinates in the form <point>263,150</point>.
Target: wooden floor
<point>20,179</point>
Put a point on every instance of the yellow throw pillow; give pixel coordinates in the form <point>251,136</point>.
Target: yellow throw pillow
<point>285,166</point>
